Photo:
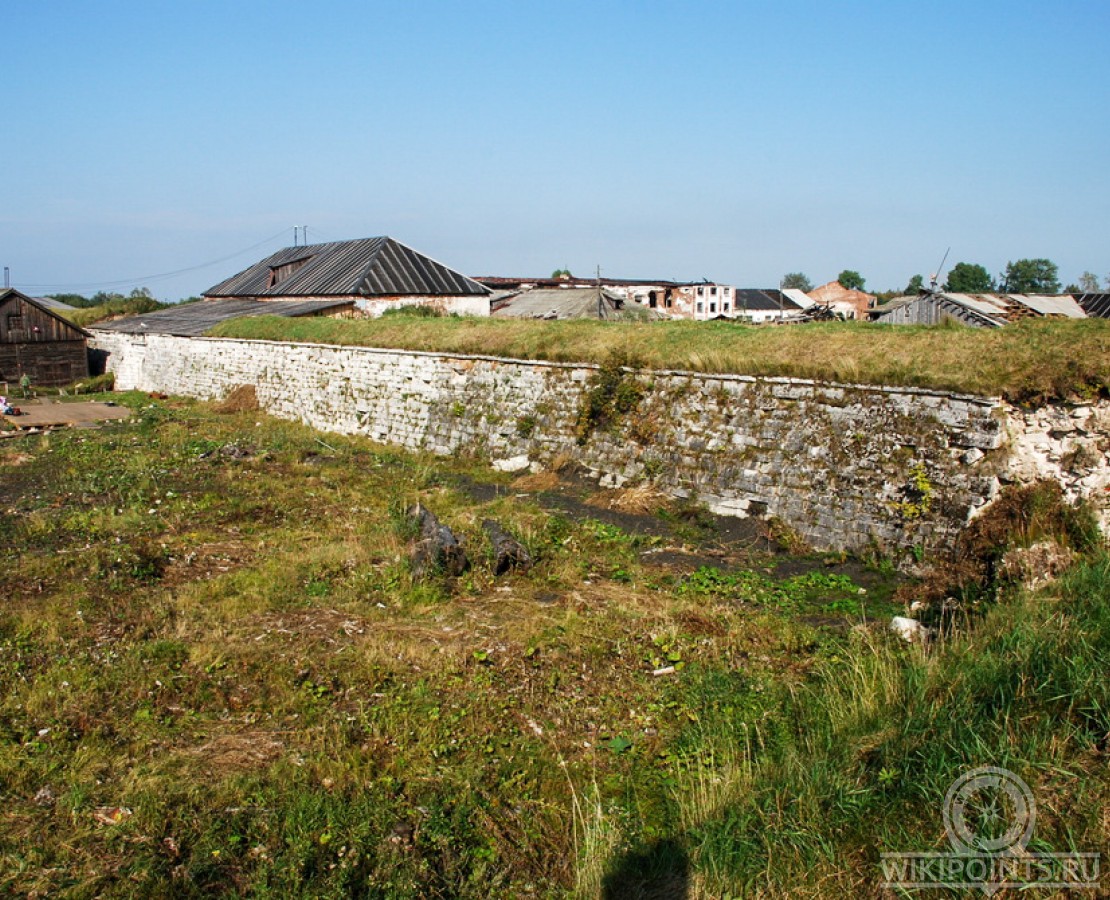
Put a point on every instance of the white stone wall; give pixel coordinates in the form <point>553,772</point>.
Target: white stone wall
<point>846,466</point>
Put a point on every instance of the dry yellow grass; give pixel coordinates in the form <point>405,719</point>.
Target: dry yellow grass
<point>1028,360</point>
<point>641,500</point>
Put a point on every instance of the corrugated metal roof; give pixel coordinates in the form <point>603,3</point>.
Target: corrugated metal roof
<point>194,319</point>
<point>990,305</point>
<point>801,299</point>
<point>768,299</point>
<point>1096,305</point>
<point>1046,305</point>
<point>368,267</point>
<point>1014,306</point>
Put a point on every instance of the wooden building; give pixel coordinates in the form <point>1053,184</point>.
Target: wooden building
<point>39,343</point>
<point>979,310</point>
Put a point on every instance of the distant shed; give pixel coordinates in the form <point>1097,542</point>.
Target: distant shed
<point>979,310</point>
<point>39,343</point>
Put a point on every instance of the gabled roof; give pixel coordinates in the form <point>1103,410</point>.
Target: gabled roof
<point>194,319</point>
<point>9,293</point>
<point>367,268</point>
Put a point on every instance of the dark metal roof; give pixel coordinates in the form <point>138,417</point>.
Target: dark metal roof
<point>1097,306</point>
<point>367,268</point>
<point>194,319</point>
<point>763,300</point>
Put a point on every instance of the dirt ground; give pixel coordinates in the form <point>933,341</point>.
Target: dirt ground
<point>46,412</point>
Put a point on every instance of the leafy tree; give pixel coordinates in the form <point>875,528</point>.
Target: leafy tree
<point>1088,283</point>
<point>561,273</point>
<point>1031,276</point>
<point>969,278</point>
<point>916,285</point>
<point>797,281</point>
<point>851,279</point>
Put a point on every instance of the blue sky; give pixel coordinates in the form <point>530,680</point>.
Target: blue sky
<point>732,141</point>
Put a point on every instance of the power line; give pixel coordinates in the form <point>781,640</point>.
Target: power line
<point>123,282</point>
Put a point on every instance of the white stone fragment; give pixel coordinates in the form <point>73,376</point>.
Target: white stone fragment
<point>909,630</point>
<point>512,464</point>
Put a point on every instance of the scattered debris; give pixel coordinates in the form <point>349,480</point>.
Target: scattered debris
<point>665,670</point>
<point>508,552</point>
<point>44,796</point>
<point>111,815</point>
<point>437,550</point>
<point>230,451</point>
<point>401,834</point>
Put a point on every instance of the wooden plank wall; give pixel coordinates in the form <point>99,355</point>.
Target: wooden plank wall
<point>49,350</point>
<point>22,322</point>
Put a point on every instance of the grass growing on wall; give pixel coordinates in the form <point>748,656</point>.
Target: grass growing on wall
<point>1029,360</point>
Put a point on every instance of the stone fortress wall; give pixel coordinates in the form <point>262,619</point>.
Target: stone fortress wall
<point>849,467</point>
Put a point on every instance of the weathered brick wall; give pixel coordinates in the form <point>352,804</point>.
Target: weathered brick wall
<point>845,466</point>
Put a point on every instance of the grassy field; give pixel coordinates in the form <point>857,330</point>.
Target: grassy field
<point>1028,361</point>
<point>221,677</point>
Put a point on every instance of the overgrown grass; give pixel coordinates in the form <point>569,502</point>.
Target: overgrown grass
<point>1026,361</point>
<point>113,309</point>
<point>218,675</point>
<point>797,792</point>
